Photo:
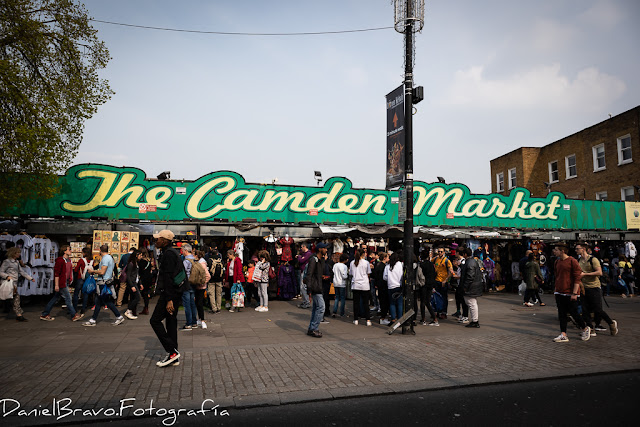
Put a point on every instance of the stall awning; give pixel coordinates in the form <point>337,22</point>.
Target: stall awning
<point>335,229</point>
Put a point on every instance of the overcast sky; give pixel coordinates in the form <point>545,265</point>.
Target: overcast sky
<point>497,75</point>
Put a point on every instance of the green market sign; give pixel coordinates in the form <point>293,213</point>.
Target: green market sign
<point>90,190</point>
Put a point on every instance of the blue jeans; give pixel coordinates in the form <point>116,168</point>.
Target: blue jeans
<point>85,297</point>
<point>100,301</point>
<point>340,297</point>
<point>64,293</point>
<point>303,292</point>
<point>317,311</point>
<point>395,304</point>
<point>189,303</point>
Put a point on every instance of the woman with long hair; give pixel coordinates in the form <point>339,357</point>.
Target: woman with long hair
<point>145,270</point>
<point>360,270</point>
<point>11,269</point>
<point>200,290</point>
<point>393,275</point>
<point>133,283</point>
<point>261,280</point>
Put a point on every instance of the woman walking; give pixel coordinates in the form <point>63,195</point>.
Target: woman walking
<point>11,269</point>
<point>200,289</point>
<point>531,272</point>
<point>234,279</point>
<point>360,270</point>
<point>133,283</point>
<point>261,280</point>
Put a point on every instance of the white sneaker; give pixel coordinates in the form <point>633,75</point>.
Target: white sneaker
<point>585,334</point>
<point>203,325</point>
<point>464,320</point>
<point>259,308</point>
<point>130,315</point>
<point>264,309</point>
<point>118,321</point>
<point>384,322</point>
<point>614,328</point>
<point>368,322</point>
<point>355,322</point>
<point>561,338</point>
<point>91,322</point>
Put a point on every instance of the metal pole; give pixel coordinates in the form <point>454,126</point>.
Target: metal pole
<point>408,224</point>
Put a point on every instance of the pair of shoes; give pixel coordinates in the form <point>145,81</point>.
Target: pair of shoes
<point>258,308</point>
<point>77,317</point>
<point>90,322</point>
<point>355,322</point>
<point>186,328</point>
<point>527,304</point>
<point>130,315</point>
<point>145,310</point>
<point>118,321</point>
<point>384,322</point>
<point>433,323</point>
<point>561,338</point>
<point>473,325</point>
<point>170,359</point>
<point>47,318</point>
<point>315,334</point>
<point>614,328</point>
<point>599,328</point>
<point>368,322</point>
<point>21,319</point>
<point>263,309</point>
<point>585,334</point>
<point>463,320</point>
<point>203,325</point>
<point>324,320</point>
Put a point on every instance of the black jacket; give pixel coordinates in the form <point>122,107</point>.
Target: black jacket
<point>378,275</point>
<point>314,275</point>
<point>429,272</point>
<point>132,274</point>
<point>471,278</point>
<point>169,265</point>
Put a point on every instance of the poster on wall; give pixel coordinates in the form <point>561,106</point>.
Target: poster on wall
<point>395,138</point>
<point>633,214</point>
<point>119,242</point>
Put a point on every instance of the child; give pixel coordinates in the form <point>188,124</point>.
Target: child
<point>251,290</point>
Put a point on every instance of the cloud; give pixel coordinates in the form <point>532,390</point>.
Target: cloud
<point>548,35</point>
<point>603,15</point>
<point>540,87</point>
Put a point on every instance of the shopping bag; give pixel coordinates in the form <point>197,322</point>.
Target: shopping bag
<point>89,285</point>
<point>6,289</point>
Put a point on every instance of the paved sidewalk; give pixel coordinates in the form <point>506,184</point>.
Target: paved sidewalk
<point>249,359</point>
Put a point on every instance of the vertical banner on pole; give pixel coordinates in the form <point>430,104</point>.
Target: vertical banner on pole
<point>395,138</point>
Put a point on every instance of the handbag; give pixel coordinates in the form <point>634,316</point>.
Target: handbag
<point>89,285</point>
<point>105,292</point>
<point>272,273</point>
<point>6,289</point>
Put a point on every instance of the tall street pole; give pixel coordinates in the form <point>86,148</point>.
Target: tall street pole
<point>407,327</point>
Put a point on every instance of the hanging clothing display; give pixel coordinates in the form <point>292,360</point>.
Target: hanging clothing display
<point>286,282</point>
<point>286,243</point>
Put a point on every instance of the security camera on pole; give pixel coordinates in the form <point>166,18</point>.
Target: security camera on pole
<point>409,19</point>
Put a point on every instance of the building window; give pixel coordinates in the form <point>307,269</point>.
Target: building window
<point>513,183</point>
<point>626,194</point>
<point>598,158</point>
<point>601,195</point>
<point>553,172</point>
<point>624,150</point>
<point>500,182</point>
<point>570,166</point>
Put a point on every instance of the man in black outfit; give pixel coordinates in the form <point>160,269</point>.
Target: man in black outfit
<point>172,281</point>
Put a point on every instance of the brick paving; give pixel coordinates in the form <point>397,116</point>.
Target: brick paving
<point>249,359</point>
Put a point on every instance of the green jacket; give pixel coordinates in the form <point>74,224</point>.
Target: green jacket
<point>531,270</point>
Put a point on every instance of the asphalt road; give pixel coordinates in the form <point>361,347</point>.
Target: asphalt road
<point>590,400</point>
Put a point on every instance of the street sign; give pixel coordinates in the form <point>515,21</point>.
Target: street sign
<point>144,208</point>
<point>402,205</point>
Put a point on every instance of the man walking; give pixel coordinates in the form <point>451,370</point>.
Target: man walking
<point>63,276</point>
<point>591,271</point>
<point>106,279</point>
<point>188,296</point>
<point>444,271</point>
<point>313,281</point>
<point>568,278</point>
<point>122,265</point>
<point>172,281</point>
<point>215,285</point>
<point>471,281</point>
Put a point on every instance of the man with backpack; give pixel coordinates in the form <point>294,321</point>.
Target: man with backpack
<point>214,289</point>
<point>172,281</point>
<point>592,303</point>
<point>194,276</point>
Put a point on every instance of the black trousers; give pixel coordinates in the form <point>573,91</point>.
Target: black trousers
<point>566,306</point>
<point>134,299</point>
<point>364,297</point>
<point>250,291</point>
<point>326,288</point>
<point>199,296</point>
<point>383,299</point>
<point>592,303</point>
<point>532,294</point>
<point>168,337</point>
<point>424,293</point>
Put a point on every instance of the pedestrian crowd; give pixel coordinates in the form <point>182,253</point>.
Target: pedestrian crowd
<point>194,279</point>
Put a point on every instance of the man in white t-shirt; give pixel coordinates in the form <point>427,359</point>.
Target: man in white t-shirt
<point>105,279</point>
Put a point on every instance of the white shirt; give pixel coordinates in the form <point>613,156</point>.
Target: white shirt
<point>340,274</point>
<point>393,276</point>
<point>360,272</point>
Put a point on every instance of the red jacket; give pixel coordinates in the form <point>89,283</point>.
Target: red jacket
<point>238,275</point>
<point>60,270</point>
<point>567,275</point>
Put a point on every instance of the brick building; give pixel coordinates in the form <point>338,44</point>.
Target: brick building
<point>601,162</point>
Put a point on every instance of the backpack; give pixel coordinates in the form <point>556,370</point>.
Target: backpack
<point>216,270</point>
<point>437,302</point>
<point>197,276</point>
